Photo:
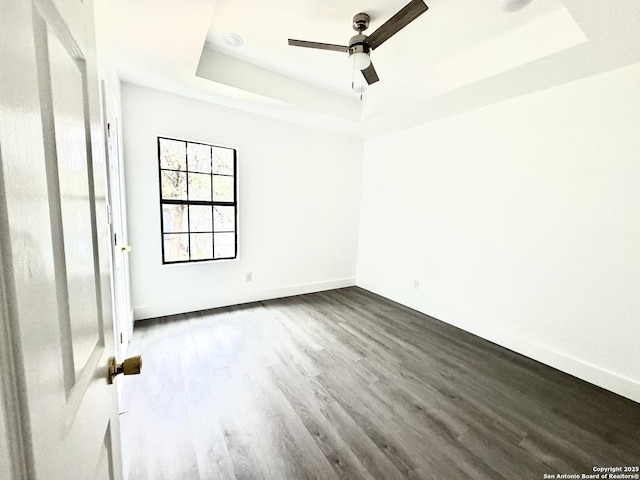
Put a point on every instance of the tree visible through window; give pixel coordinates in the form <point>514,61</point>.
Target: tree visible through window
<point>197,201</point>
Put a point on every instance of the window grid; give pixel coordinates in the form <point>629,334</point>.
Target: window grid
<point>175,233</point>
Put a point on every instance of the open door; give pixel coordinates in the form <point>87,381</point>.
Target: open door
<point>54,246</point>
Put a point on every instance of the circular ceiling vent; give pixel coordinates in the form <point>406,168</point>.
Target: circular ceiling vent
<point>514,5</point>
<point>233,40</point>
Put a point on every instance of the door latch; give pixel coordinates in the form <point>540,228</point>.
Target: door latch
<point>131,366</point>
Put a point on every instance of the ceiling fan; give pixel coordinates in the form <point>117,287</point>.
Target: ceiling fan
<point>360,45</point>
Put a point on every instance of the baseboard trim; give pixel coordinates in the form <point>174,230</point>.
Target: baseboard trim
<point>236,298</point>
<point>594,374</point>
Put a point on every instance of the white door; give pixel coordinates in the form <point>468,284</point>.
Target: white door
<point>54,245</point>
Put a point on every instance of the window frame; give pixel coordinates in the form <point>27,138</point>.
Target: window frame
<point>187,203</point>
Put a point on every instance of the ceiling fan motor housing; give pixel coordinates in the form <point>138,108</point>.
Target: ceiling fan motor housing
<point>357,44</point>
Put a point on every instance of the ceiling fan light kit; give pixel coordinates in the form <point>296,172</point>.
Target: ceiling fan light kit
<point>360,45</point>
<point>359,52</point>
<point>361,60</point>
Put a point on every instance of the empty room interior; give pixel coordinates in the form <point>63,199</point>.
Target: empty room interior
<point>426,269</point>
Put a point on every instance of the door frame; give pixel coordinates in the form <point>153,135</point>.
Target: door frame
<point>122,325</point>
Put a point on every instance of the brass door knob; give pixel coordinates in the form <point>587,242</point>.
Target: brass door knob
<point>131,366</point>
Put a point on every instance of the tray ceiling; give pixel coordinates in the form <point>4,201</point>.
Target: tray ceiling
<point>457,55</point>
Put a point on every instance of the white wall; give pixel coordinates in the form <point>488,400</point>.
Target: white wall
<point>299,192</point>
<point>521,222</point>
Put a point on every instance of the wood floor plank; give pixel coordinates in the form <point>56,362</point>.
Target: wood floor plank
<point>347,385</point>
<point>377,461</point>
<point>309,401</point>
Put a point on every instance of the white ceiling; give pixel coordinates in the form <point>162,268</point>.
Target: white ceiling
<point>458,55</point>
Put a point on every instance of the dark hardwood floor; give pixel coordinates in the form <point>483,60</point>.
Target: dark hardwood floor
<point>348,385</point>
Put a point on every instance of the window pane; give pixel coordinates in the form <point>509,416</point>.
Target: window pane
<point>223,161</point>
<point>199,187</point>
<point>222,189</point>
<point>174,185</point>
<point>225,245</point>
<point>201,246</point>
<point>176,247</point>
<point>172,154</point>
<point>199,157</point>
<point>200,218</point>
<point>224,219</point>
<point>174,218</point>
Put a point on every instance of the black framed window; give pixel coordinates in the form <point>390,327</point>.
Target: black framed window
<point>198,201</point>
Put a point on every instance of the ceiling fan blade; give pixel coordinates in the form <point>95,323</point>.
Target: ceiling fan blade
<point>321,46</point>
<point>404,17</point>
<point>370,74</point>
